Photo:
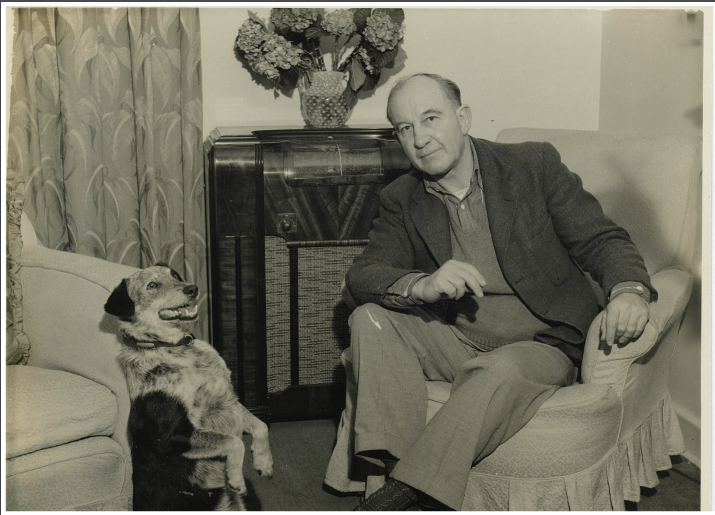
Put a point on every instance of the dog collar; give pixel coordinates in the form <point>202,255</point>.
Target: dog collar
<point>188,339</point>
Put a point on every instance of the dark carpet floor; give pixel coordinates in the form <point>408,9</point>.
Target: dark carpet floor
<point>301,451</point>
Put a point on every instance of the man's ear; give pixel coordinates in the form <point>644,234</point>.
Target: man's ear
<point>464,115</point>
<point>120,303</point>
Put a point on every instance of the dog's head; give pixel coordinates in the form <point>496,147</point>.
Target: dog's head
<point>155,301</point>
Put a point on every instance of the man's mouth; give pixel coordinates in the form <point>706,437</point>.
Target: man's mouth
<point>428,155</point>
<point>183,312</point>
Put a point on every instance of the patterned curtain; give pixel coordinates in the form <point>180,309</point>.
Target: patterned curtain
<point>106,129</point>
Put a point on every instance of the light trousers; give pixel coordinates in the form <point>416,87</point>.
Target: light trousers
<point>494,394</point>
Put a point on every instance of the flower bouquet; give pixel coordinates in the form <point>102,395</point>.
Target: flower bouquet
<point>362,41</point>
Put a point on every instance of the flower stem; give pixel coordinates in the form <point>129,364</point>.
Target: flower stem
<point>318,55</point>
<point>335,55</point>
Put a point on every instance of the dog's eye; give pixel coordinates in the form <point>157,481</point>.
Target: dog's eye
<point>151,286</point>
<point>175,276</point>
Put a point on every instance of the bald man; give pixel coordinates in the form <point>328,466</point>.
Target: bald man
<point>473,275</point>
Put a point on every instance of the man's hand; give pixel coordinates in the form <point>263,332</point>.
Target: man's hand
<point>449,282</point>
<point>625,318</point>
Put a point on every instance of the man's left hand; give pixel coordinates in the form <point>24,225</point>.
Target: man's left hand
<point>625,318</point>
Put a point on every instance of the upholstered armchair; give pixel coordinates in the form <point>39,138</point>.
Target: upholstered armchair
<point>67,401</point>
<point>594,444</point>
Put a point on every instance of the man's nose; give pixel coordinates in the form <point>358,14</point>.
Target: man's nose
<point>421,137</point>
<point>191,290</point>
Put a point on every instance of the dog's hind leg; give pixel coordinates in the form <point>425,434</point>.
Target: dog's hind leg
<point>207,444</point>
<point>260,447</point>
<point>229,501</point>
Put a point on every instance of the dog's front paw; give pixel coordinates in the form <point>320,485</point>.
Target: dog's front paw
<point>263,463</point>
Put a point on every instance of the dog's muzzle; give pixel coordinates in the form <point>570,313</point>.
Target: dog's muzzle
<point>184,312</point>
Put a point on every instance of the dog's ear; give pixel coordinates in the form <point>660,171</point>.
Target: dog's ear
<point>120,303</point>
<point>161,263</point>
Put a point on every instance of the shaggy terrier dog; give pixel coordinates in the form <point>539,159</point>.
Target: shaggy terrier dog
<point>185,423</point>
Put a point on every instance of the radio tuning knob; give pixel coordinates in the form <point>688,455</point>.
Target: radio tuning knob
<point>286,224</point>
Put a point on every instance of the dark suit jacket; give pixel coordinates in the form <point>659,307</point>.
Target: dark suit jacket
<point>544,226</point>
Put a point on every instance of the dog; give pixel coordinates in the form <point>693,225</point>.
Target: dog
<point>186,423</point>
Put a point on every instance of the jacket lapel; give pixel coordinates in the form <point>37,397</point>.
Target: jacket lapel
<point>432,222</point>
<point>500,195</point>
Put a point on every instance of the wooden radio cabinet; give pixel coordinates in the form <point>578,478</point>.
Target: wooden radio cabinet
<point>288,210</point>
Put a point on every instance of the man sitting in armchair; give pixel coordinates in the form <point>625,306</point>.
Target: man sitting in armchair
<point>473,275</point>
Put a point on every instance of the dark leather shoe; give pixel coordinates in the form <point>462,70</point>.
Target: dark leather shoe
<point>394,496</point>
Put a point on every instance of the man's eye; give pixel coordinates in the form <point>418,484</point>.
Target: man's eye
<point>405,129</point>
<point>430,119</point>
<point>151,286</point>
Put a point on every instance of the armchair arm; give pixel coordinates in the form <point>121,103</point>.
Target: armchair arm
<point>609,365</point>
<point>63,310</point>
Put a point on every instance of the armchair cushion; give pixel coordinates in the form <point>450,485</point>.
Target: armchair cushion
<point>89,474</point>
<point>46,408</point>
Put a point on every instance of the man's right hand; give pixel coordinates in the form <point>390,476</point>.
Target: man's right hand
<point>451,281</point>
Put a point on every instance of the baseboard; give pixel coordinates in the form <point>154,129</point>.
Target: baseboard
<point>692,458</point>
<point>690,426</point>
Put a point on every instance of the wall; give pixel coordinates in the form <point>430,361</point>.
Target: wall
<point>549,68</point>
<point>534,68</point>
<point>651,80</point>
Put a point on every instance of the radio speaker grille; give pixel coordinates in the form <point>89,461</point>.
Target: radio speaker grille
<point>322,315</point>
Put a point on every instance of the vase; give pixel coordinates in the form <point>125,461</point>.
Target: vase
<point>325,99</point>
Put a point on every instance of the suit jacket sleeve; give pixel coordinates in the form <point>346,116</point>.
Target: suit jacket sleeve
<point>593,240</point>
<point>388,257</point>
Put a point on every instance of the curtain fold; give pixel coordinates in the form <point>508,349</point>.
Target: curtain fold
<point>106,129</point>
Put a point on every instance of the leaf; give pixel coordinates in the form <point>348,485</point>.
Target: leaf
<point>86,51</point>
<point>253,16</point>
<point>370,82</point>
<point>357,75</point>
<point>189,22</point>
<point>113,16</point>
<point>123,137</point>
<point>129,258</point>
<point>46,69</point>
<point>21,51</point>
<point>110,73</point>
<point>122,54</point>
<point>91,187</point>
<point>193,112</point>
<point>87,110</point>
<point>39,33</point>
<point>386,59</point>
<point>165,17</point>
<point>169,126</point>
<point>92,245</point>
<point>166,76</point>
<point>288,78</point>
<point>316,32</point>
<point>73,16</point>
<point>78,147</point>
<point>112,208</point>
<point>71,232</point>
<point>360,18</point>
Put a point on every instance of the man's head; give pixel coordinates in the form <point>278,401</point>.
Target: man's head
<point>430,122</point>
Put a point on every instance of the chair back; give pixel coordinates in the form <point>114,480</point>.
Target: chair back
<point>646,183</point>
